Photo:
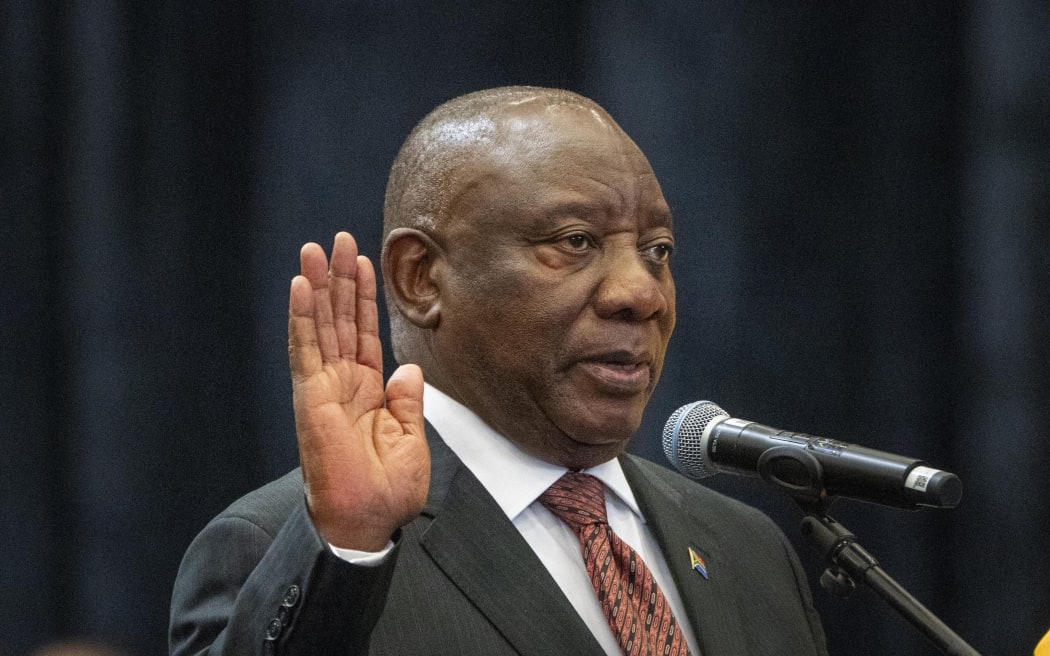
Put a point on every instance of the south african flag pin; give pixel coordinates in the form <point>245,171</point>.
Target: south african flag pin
<point>697,562</point>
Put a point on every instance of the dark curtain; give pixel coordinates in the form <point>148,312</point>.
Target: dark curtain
<point>861,192</point>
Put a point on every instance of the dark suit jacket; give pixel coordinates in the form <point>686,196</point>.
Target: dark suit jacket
<point>463,581</point>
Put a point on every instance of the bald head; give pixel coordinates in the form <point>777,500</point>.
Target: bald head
<point>423,179</point>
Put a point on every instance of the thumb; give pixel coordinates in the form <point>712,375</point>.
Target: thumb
<point>404,398</point>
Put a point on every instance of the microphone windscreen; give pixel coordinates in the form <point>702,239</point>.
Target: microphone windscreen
<point>683,437</point>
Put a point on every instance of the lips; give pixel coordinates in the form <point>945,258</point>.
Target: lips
<point>619,373</point>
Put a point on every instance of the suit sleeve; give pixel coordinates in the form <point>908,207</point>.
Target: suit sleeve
<point>240,590</point>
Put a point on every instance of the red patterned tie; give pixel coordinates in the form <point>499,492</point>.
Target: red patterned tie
<point>637,611</point>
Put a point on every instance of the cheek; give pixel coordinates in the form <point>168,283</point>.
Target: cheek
<point>516,329</point>
<point>518,332</point>
<point>513,314</point>
<point>510,291</point>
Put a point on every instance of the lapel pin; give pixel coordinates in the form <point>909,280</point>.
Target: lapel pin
<point>697,563</point>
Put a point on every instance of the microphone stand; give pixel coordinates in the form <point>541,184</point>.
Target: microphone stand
<point>802,476</point>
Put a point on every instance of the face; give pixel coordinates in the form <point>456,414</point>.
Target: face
<point>556,301</point>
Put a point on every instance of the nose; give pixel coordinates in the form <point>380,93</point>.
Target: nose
<point>632,287</point>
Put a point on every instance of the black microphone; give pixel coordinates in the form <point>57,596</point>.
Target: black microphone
<point>701,439</point>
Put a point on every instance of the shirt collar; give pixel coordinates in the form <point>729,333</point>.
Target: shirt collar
<point>514,478</point>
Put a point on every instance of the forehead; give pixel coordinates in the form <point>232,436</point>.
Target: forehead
<point>559,135</point>
<point>566,154</point>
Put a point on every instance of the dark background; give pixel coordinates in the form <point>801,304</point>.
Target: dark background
<point>861,193</point>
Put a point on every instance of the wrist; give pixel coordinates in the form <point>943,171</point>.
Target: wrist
<point>341,532</point>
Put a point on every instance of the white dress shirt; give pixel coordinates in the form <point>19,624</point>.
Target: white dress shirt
<point>515,480</point>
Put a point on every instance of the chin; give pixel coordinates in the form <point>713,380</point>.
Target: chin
<point>604,440</point>
<point>606,424</point>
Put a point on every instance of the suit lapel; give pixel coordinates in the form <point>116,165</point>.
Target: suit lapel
<point>471,540</point>
<point>710,602</point>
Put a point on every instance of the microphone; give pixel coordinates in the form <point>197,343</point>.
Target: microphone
<point>701,439</point>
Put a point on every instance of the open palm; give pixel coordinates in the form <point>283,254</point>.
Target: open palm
<point>362,446</point>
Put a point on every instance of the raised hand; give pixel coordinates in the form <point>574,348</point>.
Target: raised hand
<point>363,453</point>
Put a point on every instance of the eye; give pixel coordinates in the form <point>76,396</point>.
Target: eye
<point>659,252</point>
<point>578,241</point>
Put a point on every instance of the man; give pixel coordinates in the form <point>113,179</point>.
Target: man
<point>525,264</point>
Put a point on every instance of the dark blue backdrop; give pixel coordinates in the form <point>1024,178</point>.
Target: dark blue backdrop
<point>861,192</point>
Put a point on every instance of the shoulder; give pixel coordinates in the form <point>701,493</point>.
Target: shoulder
<point>657,482</point>
<point>268,507</point>
<point>646,472</point>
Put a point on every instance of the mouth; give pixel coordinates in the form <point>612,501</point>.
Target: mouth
<point>619,373</point>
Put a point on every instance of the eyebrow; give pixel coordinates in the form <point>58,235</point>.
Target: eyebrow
<point>668,218</point>
<point>558,208</point>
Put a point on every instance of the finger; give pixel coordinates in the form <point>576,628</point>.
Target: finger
<point>404,398</point>
<point>342,276</point>
<point>314,267</point>
<point>369,346</point>
<point>304,357</point>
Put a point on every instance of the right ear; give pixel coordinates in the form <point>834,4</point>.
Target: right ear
<point>408,261</point>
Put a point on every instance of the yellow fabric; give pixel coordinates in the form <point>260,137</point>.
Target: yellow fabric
<point>1043,648</point>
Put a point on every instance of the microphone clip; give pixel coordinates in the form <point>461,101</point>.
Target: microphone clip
<point>797,472</point>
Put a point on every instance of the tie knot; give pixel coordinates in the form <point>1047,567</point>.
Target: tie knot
<point>577,499</point>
